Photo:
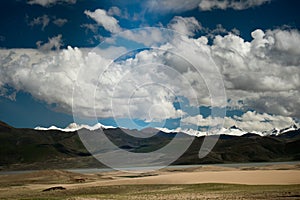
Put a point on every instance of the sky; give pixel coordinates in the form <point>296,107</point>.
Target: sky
<point>159,63</point>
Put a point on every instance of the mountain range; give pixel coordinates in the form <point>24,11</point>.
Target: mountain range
<point>234,130</point>
<point>46,148</point>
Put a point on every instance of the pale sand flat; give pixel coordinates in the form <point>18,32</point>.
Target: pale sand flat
<point>248,177</point>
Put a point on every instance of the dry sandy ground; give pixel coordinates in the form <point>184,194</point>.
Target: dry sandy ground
<point>257,177</point>
<point>267,175</point>
<point>38,181</point>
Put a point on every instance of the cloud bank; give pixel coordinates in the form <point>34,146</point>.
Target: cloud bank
<point>249,121</point>
<point>262,74</point>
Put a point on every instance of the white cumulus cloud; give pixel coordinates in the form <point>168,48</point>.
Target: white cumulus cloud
<point>185,25</point>
<point>263,73</point>
<point>53,43</point>
<point>60,22</point>
<point>109,23</point>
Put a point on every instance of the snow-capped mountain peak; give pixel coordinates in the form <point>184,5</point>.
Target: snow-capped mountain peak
<point>276,131</point>
<point>291,128</point>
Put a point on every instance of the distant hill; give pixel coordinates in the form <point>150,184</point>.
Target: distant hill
<point>46,149</point>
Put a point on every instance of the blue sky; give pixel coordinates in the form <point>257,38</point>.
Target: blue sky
<point>270,15</point>
<point>42,26</point>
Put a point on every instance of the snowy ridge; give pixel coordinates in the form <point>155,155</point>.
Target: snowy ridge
<point>277,131</point>
<point>233,131</point>
<point>224,131</point>
<point>75,127</point>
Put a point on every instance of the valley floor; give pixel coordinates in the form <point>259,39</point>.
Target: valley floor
<point>207,182</point>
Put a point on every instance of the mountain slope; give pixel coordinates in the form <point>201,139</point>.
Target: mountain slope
<point>44,149</point>
<point>40,149</point>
